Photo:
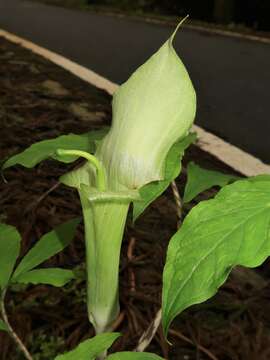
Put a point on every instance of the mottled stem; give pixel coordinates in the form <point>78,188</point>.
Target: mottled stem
<point>178,202</point>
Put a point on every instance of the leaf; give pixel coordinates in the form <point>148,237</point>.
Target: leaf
<point>45,149</point>
<point>218,234</point>
<point>91,348</point>
<point>3,326</point>
<point>128,355</point>
<point>263,177</point>
<point>199,180</point>
<point>152,110</point>
<point>51,276</point>
<point>9,251</point>
<point>151,191</point>
<point>48,245</point>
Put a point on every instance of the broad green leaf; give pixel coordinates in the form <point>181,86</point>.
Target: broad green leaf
<point>48,245</point>
<point>128,355</point>
<point>151,191</point>
<point>263,177</point>
<point>218,234</point>
<point>91,348</point>
<point>199,180</point>
<point>3,326</point>
<point>50,276</point>
<point>152,110</point>
<point>9,251</point>
<point>46,149</point>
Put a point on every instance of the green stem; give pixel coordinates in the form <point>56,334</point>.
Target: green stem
<point>101,177</point>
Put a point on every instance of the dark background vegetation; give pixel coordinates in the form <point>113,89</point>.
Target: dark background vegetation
<point>251,13</point>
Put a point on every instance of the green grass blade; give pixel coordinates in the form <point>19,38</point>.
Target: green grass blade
<point>218,234</point>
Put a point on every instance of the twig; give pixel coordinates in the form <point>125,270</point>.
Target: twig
<point>130,258</point>
<point>3,176</point>
<point>12,333</point>
<point>43,196</point>
<point>150,332</point>
<point>163,344</point>
<point>133,318</point>
<point>148,335</point>
<point>179,335</point>
<point>35,203</point>
<point>118,321</point>
<point>178,202</point>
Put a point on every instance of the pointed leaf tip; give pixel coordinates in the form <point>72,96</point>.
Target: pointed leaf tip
<point>89,349</point>
<point>3,326</point>
<point>48,245</point>
<point>218,234</point>
<point>49,276</point>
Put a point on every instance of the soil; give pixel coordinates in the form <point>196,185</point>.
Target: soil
<point>39,100</point>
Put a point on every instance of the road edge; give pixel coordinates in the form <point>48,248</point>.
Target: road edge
<point>196,27</point>
<point>231,155</point>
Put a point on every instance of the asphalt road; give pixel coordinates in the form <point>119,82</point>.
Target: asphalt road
<point>231,76</point>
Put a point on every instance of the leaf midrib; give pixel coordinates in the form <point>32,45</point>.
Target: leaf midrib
<point>206,256</point>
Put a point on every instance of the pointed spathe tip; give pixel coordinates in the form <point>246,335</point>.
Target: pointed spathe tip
<point>177,27</point>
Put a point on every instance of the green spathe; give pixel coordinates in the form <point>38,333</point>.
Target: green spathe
<point>104,227</point>
<point>151,111</point>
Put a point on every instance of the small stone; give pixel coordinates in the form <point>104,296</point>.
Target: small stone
<point>54,88</point>
<point>80,110</point>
